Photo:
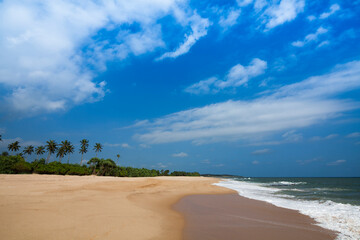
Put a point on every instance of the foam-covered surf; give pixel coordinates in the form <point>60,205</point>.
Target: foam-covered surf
<point>330,210</point>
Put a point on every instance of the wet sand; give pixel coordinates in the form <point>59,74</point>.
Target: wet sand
<point>230,217</point>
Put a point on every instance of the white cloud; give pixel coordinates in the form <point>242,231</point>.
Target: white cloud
<point>199,27</point>
<point>51,51</point>
<point>218,165</point>
<point>144,145</point>
<point>125,145</point>
<point>255,162</point>
<point>237,76</point>
<point>261,151</point>
<point>161,165</point>
<point>303,162</point>
<point>231,19</point>
<point>243,3</point>
<point>313,37</point>
<point>203,87</point>
<point>274,13</point>
<point>292,136</point>
<point>353,135</point>
<point>206,161</point>
<point>181,154</point>
<point>334,8</point>
<point>323,43</point>
<point>285,11</point>
<point>337,162</point>
<point>328,137</point>
<point>311,18</point>
<point>290,107</point>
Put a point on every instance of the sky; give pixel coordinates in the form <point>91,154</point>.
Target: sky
<point>246,87</point>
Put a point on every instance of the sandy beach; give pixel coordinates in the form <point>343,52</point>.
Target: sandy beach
<point>89,207</point>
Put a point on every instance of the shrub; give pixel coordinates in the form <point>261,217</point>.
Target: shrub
<point>7,163</point>
<point>22,167</point>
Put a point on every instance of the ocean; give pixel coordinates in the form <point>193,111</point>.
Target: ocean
<point>333,202</point>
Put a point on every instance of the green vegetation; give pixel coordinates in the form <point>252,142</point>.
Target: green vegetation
<point>100,167</point>
<point>83,149</point>
<point>17,164</point>
<point>51,147</point>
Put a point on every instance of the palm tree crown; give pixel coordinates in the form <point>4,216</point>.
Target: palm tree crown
<point>40,150</point>
<point>28,150</point>
<point>14,147</point>
<point>83,149</point>
<point>51,147</point>
<point>97,148</point>
<point>69,149</point>
<point>63,150</point>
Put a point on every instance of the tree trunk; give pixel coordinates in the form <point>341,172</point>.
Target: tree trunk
<point>82,156</point>
<point>47,159</point>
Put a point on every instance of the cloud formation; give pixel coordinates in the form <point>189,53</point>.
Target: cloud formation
<point>237,76</point>
<point>328,137</point>
<point>51,51</point>
<point>313,37</point>
<point>180,155</point>
<point>333,8</point>
<point>199,27</point>
<point>230,19</point>
<point>353,135</point>
<point>274,13</point>
<point>283,12</point>
<point>261,151</point>
<point>337,162</point>
<point>293,106</point>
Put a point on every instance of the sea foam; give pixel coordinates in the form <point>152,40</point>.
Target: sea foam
<point>342,218</point>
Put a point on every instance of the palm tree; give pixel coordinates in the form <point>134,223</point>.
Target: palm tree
<point>69,149</point>
<point>106,166</point>
<point>97,148</point>
<point>0,138</point>
<point>61,153</point>
<point>94,162</point>
<point>14,147</point>
<point>40,150</point>
<point>118,156</point>
<point>63,150</point>
<point>83,149</point>
<point>51,147</point>
<point>28,150</point>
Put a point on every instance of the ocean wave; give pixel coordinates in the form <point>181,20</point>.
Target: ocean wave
<point>343,218</point>
<point>283,183</point>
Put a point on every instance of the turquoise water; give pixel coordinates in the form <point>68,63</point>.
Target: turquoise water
<point>333,202</point>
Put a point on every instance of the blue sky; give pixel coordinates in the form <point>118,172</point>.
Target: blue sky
<point>247,87</point>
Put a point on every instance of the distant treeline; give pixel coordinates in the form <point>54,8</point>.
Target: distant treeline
<point>100,167</point>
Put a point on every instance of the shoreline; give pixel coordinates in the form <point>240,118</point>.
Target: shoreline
<point>231,216</point>
<point>91,207</point>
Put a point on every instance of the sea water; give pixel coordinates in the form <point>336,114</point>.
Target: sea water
<point>333,202</point>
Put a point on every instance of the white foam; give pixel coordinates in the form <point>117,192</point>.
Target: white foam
<point>284,183</point>
<point>343,218</point>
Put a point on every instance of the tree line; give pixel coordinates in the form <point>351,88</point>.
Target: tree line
<point>61,150</point>
<point>16,164</point>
